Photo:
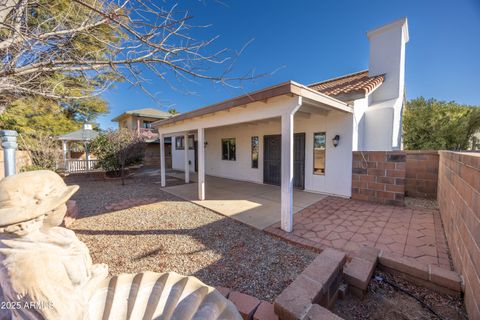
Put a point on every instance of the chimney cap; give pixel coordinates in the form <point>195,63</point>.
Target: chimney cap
<point>402,22</point>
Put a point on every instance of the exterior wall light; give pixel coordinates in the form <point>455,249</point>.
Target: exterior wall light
<point>335,140</point>
<point>205,144</point>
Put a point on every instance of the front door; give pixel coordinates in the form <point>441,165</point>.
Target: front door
<point>272,166</point>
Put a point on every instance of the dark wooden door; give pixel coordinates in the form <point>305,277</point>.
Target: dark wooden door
<point>272,164</point>
<point>272,151</point>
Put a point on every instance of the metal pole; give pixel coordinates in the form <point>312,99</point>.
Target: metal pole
<point>9,144</point>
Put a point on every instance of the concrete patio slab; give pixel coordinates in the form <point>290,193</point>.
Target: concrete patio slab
<point>257,205</point>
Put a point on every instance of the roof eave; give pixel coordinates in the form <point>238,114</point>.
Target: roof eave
<point>118,118</point>
<point>289,87</point>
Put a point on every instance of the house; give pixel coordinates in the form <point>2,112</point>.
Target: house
<point>296,135</point>
<point>475,141</point>
<point>141,121</point>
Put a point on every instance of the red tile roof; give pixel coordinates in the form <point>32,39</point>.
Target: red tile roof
<point>355,82</point>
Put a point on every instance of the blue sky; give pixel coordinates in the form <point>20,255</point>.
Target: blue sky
<point>308,41</point>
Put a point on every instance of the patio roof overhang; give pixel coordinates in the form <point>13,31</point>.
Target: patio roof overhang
<point>277,102</point>
<point>309,96</point>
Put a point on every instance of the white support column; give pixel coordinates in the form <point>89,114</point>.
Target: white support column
<point>185,155</point>
<point>87,155</point>
<point>64,148</point>
<point>162,160</point>
<point>287,173</point>
<point>201,164</point>
<point>286,219</point>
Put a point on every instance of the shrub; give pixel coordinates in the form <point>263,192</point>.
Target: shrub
<point>432,124</point>
<point>43,150</point>
<point>118,149</point>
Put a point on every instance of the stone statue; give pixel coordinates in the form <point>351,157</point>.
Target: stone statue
<point>46,272</point>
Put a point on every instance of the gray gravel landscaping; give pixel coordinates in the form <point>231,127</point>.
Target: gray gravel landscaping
<point>175,235</point>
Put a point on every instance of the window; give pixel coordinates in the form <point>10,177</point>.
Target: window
<point>319,139</point>
<point>191,142</point>
<point>228,149</point>
<point>147,124</point>
<point>255,152</point>
<point>180,144</point>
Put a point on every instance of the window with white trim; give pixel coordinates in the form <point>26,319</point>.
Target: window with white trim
<point>319,150</point>
<point>229,149</point>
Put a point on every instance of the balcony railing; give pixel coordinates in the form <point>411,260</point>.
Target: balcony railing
<point>149,133</point>
<point>74,165</point>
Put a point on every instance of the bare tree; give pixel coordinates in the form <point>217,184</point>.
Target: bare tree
<point>66,49</point>
<point>43,150</point>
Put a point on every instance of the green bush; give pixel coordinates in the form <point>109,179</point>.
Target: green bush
<point>118,149</point>
<point>439,125</point>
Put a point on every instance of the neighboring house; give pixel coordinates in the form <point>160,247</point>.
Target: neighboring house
<point>475,141</point>
<point>296,135</point>
<point>141,121</point>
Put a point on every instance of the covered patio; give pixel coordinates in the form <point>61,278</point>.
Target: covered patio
<point>254,204</point>
<point>292,108</point>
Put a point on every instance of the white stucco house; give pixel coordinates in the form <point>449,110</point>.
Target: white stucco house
<point>296,135</point>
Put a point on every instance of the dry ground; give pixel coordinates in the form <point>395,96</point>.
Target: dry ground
<point>175,235</point>
<point>386,302</point>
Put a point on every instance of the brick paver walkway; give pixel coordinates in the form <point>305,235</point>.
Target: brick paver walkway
<point>348,224</point>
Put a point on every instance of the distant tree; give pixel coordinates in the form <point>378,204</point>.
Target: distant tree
<point>115,150</point>
<point>439,125</point>
<point>36,115</point>
<point>172,111</point>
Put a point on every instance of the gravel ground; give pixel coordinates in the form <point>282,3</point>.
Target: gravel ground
<point>384,301</point>
<point>421,203</point>
<point>175,235</point>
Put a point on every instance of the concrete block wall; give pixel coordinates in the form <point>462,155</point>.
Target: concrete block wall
<point>422,174</point>
<point>459,203</point>
<point>379,176</point>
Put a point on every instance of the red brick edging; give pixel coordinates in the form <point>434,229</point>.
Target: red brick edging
<point>249,306</point>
